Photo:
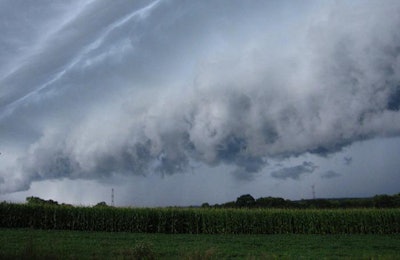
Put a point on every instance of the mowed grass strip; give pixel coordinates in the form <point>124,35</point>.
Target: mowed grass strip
<point>38,244</point>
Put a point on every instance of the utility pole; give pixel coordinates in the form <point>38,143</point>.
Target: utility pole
<point>313,191</point>
<point>112,197</point>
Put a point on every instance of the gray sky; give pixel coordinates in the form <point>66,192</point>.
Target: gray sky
<point>184,102</point>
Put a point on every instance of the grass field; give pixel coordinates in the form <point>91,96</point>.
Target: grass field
<point>50,244</point>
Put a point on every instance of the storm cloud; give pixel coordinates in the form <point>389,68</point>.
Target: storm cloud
<point>330,175</point>
<point>348,160</point>
<point>294,172</point>
<point>90,89</point>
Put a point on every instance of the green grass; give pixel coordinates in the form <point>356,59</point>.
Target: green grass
<point>50,244</point>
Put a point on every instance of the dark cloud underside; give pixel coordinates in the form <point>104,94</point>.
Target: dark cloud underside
<point>294,172</point>
<point>330,175</point>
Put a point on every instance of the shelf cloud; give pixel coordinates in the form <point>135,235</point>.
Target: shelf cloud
<point>89,89</point>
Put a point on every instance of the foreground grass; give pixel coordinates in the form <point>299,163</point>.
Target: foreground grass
<point>39,244</point>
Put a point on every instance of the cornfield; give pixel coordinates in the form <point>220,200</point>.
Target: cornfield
<point>200,220</point>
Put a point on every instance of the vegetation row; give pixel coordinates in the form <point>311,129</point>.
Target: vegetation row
<point>247,201</point>
<point>201,220</point>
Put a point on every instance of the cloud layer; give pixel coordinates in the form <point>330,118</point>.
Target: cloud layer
<point>132,88</point>
<point>294,172</point>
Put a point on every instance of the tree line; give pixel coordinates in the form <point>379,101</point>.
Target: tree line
<point>39,201</point>
<point>248,201</point>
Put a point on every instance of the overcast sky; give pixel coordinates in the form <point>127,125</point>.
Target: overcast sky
<point>184,102</point>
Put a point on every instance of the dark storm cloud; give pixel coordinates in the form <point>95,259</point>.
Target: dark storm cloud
<point>90,89</point>
<point>294,172</point>
<point>330,175</point>
<point>241,174</point>
<point>348,160</point>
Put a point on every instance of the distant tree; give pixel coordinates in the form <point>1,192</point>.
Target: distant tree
<point>205,205</point>
<point>230,204</point>
<point>38,201</point>
<point>321,203</point>
<point>396,199</point>
<point>245,201</point>
<point>384,201</point>
<point>270,202</point>
<point>379,201</point>
<point>355,203</point>
<point>34,200</point>
<point>101,204</point>
<point>67,205</point>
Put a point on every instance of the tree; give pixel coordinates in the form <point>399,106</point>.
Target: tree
<point>384,201</point>
<point>38,201</point>
<point>101,204</point>
<point>270,202</point>
<point>205,205</point>
<point>245,201</point>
